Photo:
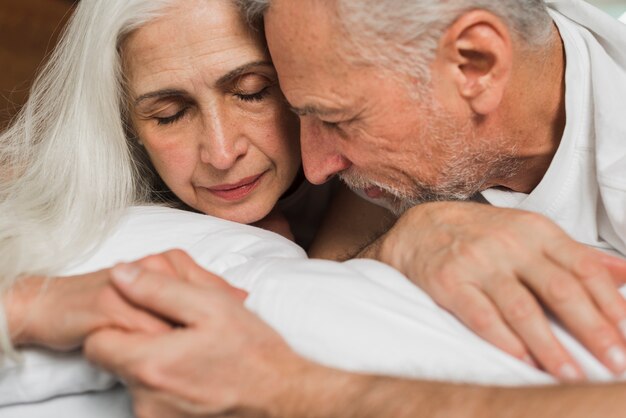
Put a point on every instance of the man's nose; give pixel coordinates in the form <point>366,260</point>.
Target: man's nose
<point>222,142</point>
<point>320,157</point>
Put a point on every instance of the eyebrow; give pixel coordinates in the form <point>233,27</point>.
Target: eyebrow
<point>223,80</point>
<point>159,94</point>
<point>313,110</point>
<point>231,75</point>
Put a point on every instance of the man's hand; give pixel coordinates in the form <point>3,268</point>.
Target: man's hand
<point>488,266</point>
<point>220,360</point>
<point>223,361</point>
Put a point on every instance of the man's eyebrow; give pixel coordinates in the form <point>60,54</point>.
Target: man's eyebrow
<point>159,94</point>
<point>231,75</point>
<point>313,110</point>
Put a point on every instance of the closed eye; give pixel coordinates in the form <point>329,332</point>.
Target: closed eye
<point>172,119</point>
<point>330,125</point>
<point>254,97</point>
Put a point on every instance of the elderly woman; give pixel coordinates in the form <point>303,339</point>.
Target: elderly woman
<point>142,102</point>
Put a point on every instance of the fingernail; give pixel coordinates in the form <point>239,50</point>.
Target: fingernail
<point>617,358</point>
<point>622,327</point>
<point>570,373</point>
<point>125,273</point>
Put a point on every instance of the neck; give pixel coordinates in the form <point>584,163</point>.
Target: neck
<point>534,114</point>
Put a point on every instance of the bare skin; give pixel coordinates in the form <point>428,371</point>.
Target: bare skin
<point>253,373</point>
<point>362,123</point>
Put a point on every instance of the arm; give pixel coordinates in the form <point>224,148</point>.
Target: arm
<point>224,361</point>
<point>350,223</point>
<point>58,313</point>
<point>489,265</point>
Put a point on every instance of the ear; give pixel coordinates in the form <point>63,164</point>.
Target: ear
<point>475,57</point>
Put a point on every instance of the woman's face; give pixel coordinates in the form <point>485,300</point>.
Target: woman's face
<point>206,104</point>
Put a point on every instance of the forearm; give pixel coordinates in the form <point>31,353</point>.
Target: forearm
<point>331,393</point>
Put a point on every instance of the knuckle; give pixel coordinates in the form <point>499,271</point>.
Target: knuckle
<point>603,337</point>
<point>616,311</point>
<point>520,308</point>
<point>537,221</point>
<point>154,262</point>
<point>481,320</point>
<point>561,289</point>
<point>588,269</point>
<point>178,254</point>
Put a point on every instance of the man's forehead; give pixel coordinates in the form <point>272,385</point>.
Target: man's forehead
<point>302,38</point>
<point>301,27</point>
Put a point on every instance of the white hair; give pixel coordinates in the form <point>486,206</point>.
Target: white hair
<point>403,35</point>
<point>66,164</point>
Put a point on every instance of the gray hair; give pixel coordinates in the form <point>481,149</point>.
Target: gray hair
<point>66,163</point>
<point>403,34</point>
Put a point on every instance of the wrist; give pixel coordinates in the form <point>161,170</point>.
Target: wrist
<point>18,305</point>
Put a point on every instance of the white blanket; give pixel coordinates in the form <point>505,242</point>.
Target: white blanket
<point>360,315</point>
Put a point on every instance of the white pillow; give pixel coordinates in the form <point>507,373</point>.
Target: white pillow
<point>360,315</point>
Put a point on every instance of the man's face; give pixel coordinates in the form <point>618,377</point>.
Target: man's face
<point>365,123</point>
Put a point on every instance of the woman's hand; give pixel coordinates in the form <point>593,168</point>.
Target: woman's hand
<point>488,266</point>
<point>59,313</point>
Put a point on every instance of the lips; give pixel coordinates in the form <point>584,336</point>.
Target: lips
<point>374,192</point>
<point>237,191</point>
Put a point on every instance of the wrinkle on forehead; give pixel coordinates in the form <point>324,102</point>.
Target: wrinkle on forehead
<point>205,37</point>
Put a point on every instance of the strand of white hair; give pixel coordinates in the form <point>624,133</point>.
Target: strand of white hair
<point>66,167</point>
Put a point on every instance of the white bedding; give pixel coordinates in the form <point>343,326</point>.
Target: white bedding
<point>359,315</point>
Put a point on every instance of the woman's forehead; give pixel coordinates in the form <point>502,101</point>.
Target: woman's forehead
<point>211,39</point>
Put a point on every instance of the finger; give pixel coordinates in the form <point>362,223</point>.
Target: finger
<point>523,314</point>
<point>192,271</point>
<point>159,264</point>
<point>584,261</point>
<point>178,263</point>
<point>187,267</point>
<point>565,295</point>
<point>130,318</point>
<point>475,309</point>
<point>608,299</point>
<point>176,300</point>
<point>616,267</point>
<point>116,351</point>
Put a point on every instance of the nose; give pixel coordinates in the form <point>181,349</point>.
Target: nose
<point>320,157</point>
<point>222,143</point>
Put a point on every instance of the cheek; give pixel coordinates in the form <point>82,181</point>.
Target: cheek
<point>173,159</point>
<point>278,139</point>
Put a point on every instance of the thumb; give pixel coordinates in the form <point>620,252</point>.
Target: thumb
<point>179,301</point>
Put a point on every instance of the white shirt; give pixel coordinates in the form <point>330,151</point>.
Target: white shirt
<point>584,189</point>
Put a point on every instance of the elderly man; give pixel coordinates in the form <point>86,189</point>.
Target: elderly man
<point>411,101</point>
